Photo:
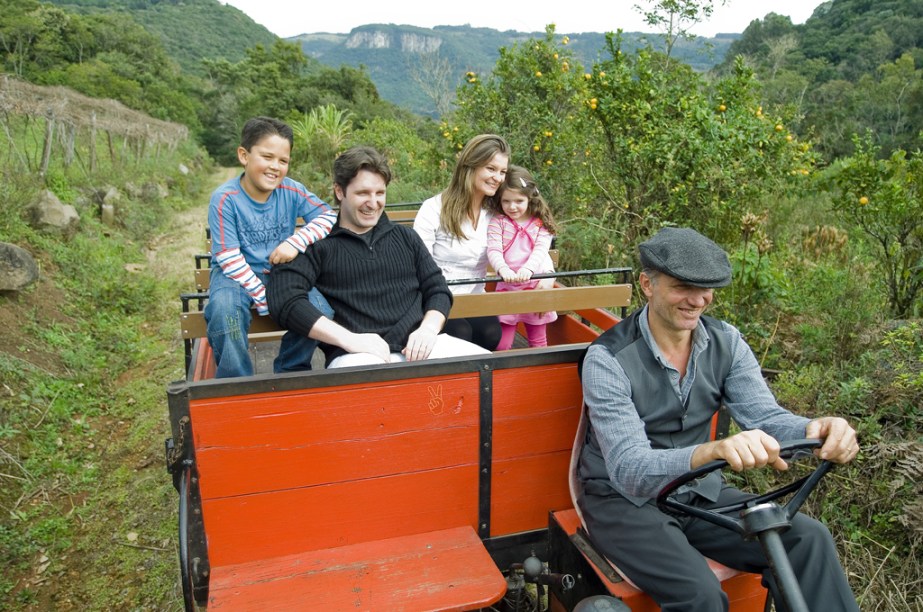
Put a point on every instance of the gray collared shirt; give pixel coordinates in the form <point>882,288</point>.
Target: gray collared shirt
<point>634,468</point>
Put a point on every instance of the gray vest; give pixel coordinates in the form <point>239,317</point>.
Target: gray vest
<point>667,421</point>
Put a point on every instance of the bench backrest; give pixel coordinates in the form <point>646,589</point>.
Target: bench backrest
<point>559,299</point>
<point>370,454</point>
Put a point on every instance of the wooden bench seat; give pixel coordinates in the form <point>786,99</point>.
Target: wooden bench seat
<point>447,569</point>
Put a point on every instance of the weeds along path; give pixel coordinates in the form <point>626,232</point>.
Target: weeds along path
<point>114,539</point>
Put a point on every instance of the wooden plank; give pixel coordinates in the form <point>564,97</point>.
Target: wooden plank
<point>405,216</point>
<point>442,570</point>
<point>261,443</point>
<point>202,279</point>
<point>559,299</point>
<point>527,423</point>
<point>525,489</point>
<point>265,525</point>
<point>533,437</point>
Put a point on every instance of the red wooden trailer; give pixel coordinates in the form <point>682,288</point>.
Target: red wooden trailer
<point>435,485</point>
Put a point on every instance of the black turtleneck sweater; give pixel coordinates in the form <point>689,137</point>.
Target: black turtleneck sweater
<point>380,282</point>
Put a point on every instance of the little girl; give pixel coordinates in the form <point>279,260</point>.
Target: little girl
<point>518,239</point>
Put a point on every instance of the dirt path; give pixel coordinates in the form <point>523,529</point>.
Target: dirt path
<point>171,255</point>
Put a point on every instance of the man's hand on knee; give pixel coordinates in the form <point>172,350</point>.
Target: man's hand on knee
<point>420,344</point>
<point>368,343</point>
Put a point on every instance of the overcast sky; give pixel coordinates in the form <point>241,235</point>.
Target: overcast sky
<point>288,18</point>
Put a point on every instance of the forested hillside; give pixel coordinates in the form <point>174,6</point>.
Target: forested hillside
<point>190,30</point>
<point>855,65</point>
<point>109,54</point>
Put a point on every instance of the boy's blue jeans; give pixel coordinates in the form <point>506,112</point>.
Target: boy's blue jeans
<point>228,316</point>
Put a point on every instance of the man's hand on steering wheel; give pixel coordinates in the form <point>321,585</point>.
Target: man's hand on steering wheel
<point>743,451</point>
<point>840,443</point>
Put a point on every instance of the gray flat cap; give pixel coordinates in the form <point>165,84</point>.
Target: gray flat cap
<point>686,255</point>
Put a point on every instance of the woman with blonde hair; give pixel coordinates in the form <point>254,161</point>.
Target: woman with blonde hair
<point>453,225</point>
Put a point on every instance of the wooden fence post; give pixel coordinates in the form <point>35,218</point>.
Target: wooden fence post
<point>68,138</point>
<point>93,143</point>
<point>112,156</point>
<point>46,147</point>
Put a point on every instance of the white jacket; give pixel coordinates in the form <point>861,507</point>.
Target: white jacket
<point>466,258</point>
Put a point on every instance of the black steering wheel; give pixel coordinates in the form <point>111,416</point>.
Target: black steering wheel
<point>759,517</point>
<point>721,516</point>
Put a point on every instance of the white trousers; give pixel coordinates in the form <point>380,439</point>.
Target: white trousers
<point>446,346</point>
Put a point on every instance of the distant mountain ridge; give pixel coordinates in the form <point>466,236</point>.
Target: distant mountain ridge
<point>389,52</point>
<point>197,30</point>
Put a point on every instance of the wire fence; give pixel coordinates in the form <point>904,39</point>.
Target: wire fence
<point>41,122</point>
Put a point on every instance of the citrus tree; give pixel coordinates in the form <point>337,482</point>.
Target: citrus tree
<point>687,151</point>
<point>884,199</point>
<point>532,98</point>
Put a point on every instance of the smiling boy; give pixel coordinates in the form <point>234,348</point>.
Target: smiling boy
<point>252,219</point>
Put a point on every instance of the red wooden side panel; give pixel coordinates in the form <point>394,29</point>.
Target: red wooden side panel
<point>315,468</point>
<point>281,523</point>
<point>536,410</point>
<point>526,489</point>
<point>277,441</point>
<point>446,570</point>
<point>568,329</point>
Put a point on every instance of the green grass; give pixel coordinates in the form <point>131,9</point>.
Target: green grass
<point>82,403</point>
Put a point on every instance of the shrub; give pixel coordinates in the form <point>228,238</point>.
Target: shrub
<point>884,199</point>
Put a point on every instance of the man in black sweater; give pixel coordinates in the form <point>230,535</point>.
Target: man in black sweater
<point>390,298</point>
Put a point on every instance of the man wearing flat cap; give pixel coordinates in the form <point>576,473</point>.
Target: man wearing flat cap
<point>651,385</point>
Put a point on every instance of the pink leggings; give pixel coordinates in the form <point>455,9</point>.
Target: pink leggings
<point>535,334</point>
